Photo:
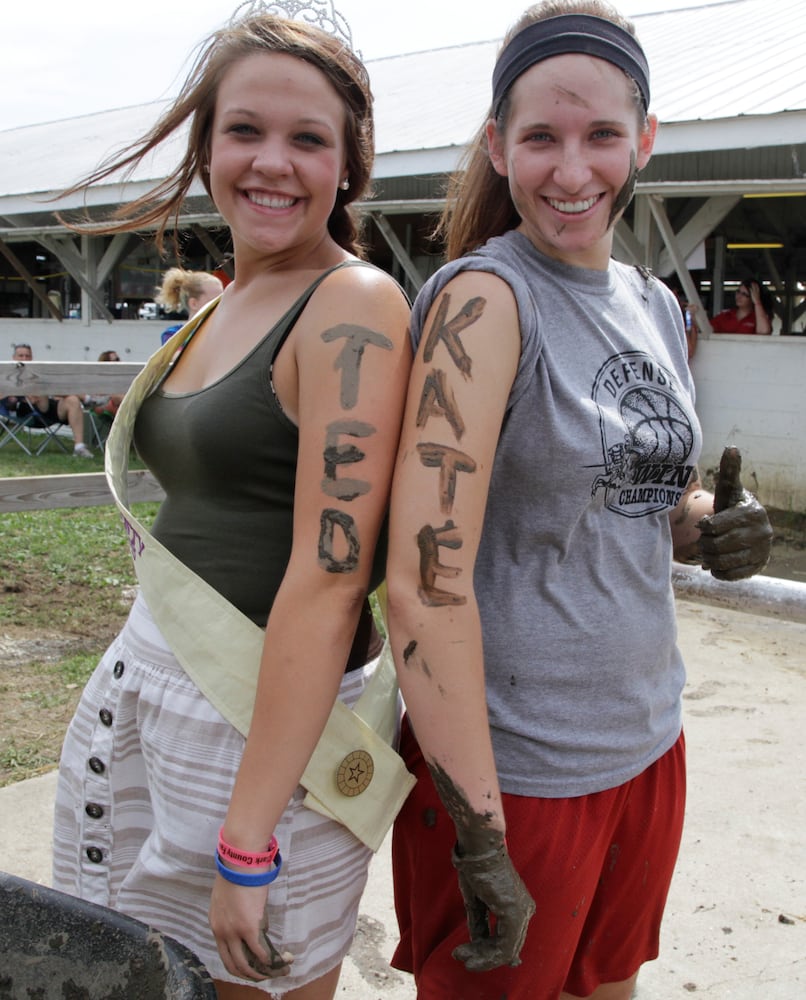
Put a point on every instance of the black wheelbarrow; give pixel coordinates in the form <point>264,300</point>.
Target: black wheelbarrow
<point>56,947</point>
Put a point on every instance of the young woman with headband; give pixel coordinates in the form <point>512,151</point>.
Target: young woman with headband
<point>546,476</point>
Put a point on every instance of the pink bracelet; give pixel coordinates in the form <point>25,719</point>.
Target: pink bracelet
<point>248,859</point>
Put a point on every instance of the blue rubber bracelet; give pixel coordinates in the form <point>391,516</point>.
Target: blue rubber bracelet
<point>249,878</point>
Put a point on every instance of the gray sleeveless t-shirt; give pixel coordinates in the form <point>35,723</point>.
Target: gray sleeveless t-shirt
<point>573,575</point>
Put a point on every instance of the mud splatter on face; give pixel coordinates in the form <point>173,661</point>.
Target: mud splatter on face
<point>624,197</point>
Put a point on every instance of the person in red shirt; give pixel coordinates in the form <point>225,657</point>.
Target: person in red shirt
<point>749,316</point>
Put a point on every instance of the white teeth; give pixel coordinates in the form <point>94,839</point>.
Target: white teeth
<point>572,207</point>
<point>270,201</point>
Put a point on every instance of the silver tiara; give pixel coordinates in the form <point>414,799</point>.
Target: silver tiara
<point>320,13</point>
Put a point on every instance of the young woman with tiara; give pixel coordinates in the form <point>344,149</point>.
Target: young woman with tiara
<point>546,476</point>
<point>164,811</point>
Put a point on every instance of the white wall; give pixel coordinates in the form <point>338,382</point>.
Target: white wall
<point>73,340</point>
<point>751,392</point>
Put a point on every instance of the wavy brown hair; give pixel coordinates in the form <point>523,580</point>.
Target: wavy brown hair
<point>247,33</point>
<point>478,203</point>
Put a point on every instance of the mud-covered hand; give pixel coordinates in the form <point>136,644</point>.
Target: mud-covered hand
<point>490,885</point>
<point>279,963</point>
<point>238,920</point>
<point>736,539</point>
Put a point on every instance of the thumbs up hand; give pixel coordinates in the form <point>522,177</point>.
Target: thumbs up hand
<point>735,540</point>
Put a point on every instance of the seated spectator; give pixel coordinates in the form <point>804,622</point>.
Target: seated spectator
<point>49,409</point>
<point>106,406</point>
<point>186,292</point>
<point>751,314</point>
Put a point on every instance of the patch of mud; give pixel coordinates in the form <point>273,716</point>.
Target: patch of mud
<point>366,953</point>
<point>16,650</point>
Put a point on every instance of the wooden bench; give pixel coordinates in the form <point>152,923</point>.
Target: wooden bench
<point>61,378</point>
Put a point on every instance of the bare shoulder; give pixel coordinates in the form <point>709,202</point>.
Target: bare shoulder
<point>357,302</point>
<point>355,307</point>
<point>363,287</point>
<point>494,290</point>
<point>479,306</point>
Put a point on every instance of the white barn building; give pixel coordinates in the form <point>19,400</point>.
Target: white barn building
<point>723,199</point>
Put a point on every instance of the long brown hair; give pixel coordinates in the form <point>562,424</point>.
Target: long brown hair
<point>478,203</point>
<point>246,33</point>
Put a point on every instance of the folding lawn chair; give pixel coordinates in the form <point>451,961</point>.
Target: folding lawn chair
<point>48,432</point>
<point>54,946</point>
<point>17,430</point>
<point>96,429</point>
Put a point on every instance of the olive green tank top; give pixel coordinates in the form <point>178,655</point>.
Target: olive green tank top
<point>226,456</point>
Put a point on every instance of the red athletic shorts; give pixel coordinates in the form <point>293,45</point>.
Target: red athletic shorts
<point>598,866</point>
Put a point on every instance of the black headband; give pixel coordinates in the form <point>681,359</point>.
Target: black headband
<point>555,36</point>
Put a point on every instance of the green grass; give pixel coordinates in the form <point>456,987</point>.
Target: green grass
<point>44,553</point>
<point>53,461</point>
<point>58,680</point>
<point>65,589</point>
<point>62,568</point>
<point>23,761</point>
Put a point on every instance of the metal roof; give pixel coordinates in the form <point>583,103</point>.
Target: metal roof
<point>725,60</point>
<point>727,65</point>
<point>724,75</point>
<point>49,157</point>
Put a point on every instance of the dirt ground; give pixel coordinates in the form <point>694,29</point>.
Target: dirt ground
<point>37,699</point>
<point>38,694</point>
<point>788,559</point>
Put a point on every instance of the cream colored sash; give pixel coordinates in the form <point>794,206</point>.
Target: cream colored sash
<point>354,775</point>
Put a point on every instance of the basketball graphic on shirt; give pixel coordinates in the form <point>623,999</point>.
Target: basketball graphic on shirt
<point>649,436</point>
<point>658,427</point>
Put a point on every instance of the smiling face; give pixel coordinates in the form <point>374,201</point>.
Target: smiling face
<point>277,156</point>
<point>570,149</point>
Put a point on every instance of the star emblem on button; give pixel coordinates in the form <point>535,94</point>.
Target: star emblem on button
<point>355,773</point>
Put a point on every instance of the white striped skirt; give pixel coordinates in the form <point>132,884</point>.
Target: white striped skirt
<point>144,784</point>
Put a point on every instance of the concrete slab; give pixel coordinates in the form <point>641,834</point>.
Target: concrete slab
<point>735,926</point>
